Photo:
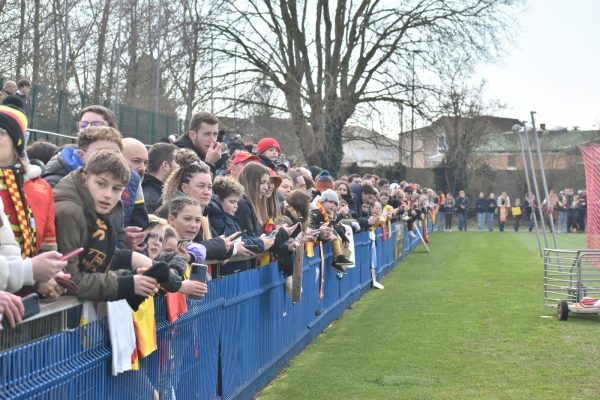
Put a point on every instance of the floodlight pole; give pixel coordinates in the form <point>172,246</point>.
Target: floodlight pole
<point>516,130</point>
<point>543,173</point>
<point>535,184</point>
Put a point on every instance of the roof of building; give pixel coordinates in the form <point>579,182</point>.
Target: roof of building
<point>549,141</point>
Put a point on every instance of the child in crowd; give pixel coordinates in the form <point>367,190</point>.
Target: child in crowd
<point>85,199</point>
<point>268,150</point>
<point>324,218</point>
<point>176,259</point>
<point>517,213</point>
<point>221,214</point>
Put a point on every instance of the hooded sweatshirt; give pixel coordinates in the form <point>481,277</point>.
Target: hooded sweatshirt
<point>77,225</point>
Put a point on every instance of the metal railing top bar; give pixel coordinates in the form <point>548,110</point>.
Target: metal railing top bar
<point>53,133</point>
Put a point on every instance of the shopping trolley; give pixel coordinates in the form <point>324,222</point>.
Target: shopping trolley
<point>572,281</point>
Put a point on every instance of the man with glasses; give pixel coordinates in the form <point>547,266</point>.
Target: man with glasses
<point>89,141</point>
<point>72,157</point>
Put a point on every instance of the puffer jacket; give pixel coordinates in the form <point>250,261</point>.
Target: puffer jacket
<point>61,165</point>
<point>15,272</point>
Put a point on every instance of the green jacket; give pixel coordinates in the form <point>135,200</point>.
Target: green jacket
<point>75,212</point>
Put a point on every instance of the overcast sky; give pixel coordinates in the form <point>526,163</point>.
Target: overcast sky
<point>553,67</point>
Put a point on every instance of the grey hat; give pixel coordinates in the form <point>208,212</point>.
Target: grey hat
<point>330,195</point>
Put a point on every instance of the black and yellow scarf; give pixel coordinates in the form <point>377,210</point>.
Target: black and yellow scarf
<point>100,246</point>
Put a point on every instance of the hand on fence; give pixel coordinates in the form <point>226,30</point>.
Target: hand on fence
<point>242,251</point>
<point>372,220</point>
<point>46,265</point>
<point>51,289</point>
<point>11,308</point>
<point>194,288</point>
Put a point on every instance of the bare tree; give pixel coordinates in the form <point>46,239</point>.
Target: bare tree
<point>325,64</point>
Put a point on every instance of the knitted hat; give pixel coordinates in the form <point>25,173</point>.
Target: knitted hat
<point>266,143</point>
<point>324,181</point>
<point>315,171</point>
<point>330,195</point>
<point>14,122</point>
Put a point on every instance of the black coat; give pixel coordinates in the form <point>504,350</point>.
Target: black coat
<point>152,188</point>
<point>481,205</point>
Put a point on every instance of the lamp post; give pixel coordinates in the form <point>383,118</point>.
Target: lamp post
<point>400,145</point>
<point>412,107</point>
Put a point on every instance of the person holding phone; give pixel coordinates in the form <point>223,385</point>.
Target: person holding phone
<point>85,200</point>
<point>176,260</point>
<point>24,189</point>
<point>221,215</point>
<point>252,212</point>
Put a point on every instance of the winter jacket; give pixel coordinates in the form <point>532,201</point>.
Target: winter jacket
<point>357,213</point>
<point>132,200</point>
<point>177,265</point>
<point>15,272</point>
<point>75,214</point>
<point>61,165</point>
<point>224,224</point>
<point>152,188</point>
<point>461,204</point>
<point>481,205</point>
<point>248,220</point>
<point>267,162</point>
<point>40,199</point>
<point>491,205</point>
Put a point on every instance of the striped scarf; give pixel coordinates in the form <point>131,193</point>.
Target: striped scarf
<point>24,230</point>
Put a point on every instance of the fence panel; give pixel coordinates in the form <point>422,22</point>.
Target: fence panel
<point>229,345</point>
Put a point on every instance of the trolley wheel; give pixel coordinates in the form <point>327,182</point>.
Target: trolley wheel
<point>562,311</point>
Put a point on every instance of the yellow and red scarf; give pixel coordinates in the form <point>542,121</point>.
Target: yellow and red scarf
<point>24,225</point>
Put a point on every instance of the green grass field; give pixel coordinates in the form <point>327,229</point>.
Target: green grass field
<point>464,322</point>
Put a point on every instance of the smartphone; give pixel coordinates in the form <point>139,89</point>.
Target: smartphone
<point>71,254</point>
<point>252,247</point>
<point>31,304</point>
<point>151,225</point>
<point>182,243</point>
<point>273,234</point>
<point>198,273</point>
<point>67,283</point>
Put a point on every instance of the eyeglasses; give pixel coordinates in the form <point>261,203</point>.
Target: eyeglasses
<point>88,124</point>
<point>156,237</point>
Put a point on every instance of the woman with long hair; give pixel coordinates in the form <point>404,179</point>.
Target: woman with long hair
<point>193,179</point>
<point>252,207</point>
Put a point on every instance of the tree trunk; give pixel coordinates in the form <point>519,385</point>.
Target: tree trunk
<point>100,52</point>
<point>132,76</point>
<point>21,43</point>
<point>35,76</point>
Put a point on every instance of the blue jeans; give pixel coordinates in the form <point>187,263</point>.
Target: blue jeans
<point>462,222</point>
<point>440,221</point>
<point>563,221</point>
<point>480,220</point>
<point>490,220</point>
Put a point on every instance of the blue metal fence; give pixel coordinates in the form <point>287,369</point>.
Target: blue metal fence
<point>229,345</point>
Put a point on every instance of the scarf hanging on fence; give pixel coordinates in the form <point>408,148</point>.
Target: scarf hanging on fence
<point>321,293</point>
<point>24,226</point>
<point>145,328</point>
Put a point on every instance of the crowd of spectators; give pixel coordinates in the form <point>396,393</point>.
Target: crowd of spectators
<point>138,218</point>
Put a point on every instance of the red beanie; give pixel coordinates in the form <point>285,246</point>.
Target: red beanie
<point>266,143</point>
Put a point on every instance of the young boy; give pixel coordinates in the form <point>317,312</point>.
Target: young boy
<point>268,150</point>
<point>85,201</point>
<point>326,213</point>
